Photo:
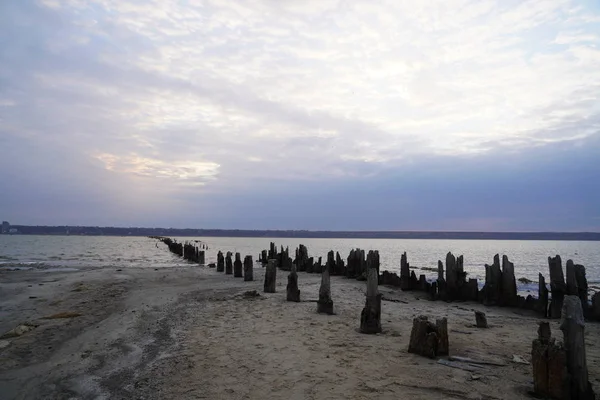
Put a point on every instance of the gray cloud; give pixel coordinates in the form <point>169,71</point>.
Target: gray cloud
<point>113,110</point>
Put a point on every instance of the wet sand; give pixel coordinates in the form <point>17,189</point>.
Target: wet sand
<point>191,333</point>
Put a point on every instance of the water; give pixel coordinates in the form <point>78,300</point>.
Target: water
<point>51,253</point>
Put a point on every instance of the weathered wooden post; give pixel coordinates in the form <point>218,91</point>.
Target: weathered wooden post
<point>480,319</point>
<point>573,326</point>
<point>572,288</point>
<point>302,259</point>
<point>228,264</point>
<point>325,304</point>
<point>509,284</point>
<point>427,339</point>
<point>271,276</point>
<point>201,257</point>
<point>237,266</point>
<point>370,318</point>
<point>264,258</point>
<point>541,305</point>
<point>405,281</point>
<point>557,286</point>
<point>220,262</point>
<point>582,287</point>
<point>493,282</point>
<point>248,269</point>
<point>293,293</point>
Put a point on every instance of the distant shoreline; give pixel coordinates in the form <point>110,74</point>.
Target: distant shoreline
<point>302,234</point>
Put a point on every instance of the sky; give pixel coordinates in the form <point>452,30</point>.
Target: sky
<point>452,115</point>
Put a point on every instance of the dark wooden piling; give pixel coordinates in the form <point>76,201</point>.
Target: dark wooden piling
<point>541,306</point>
<point>237,266</point>
<point>271,276</point>
<point>325,304</point>
<point>248,269</point>
<point>302,260</point>
<point>493,281</point>
<point>508,296</point>
<point>573,326</point>
<point>427,339</point>
<point>480,319</point>
<point>558,287</point>
<point>582,287</point>
<point>220,262</point>
<point>293,293</point>
<point>406,282</point>
<point>228,264</point>
<point>370,318</point>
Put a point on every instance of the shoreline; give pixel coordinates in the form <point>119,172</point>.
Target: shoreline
<point>189,332</point>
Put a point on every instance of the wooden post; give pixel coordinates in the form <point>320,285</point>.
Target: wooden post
<point>493,281</point>
<point>325,304</point>
<point>542,302</point>
<point>573,326</point>
<point>427,339</point>
<point>248,269</point>
<point>370,318</point>
<point>271,276</point>
<point>228,264</point>
<point>237,266</point>
<point>509,284</point>
<point>293,293</point>
<point>480,319</point>
<point>405,281</point>
<point>557,286</point>
<point>220,262</point>
<point>582,287</point>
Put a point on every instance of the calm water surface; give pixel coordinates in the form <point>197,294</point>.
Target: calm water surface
<point>60,252</point>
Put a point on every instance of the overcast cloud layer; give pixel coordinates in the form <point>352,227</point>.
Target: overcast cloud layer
<point>388,115</point>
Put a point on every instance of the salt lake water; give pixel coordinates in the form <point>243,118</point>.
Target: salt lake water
<point>52,253</point>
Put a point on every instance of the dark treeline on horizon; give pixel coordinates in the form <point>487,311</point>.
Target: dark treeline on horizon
<point>133,231</point>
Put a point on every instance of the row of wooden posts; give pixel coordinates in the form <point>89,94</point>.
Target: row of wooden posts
<point>559,369</point>
<point>499,289</point>
<point>188,250</point>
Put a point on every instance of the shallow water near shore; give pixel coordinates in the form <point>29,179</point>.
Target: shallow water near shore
<point>61,252</point>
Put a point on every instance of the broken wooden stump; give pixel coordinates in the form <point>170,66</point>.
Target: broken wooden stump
<point>325,304</point>
<point>481,320</point>
<point>302,260</point>
<point>573,326</point>
<point>541,306</point>
<point>220,262</point>
<point>228,264</point>
<point>558,287</point>
<point>582,287</point>
<point>248,269</point>
<point>370,317</point>
<point>427,339</point>
<point>508,292</point>
<point>405,281</point>
<point>595,310</point>
<point>264,258</point>
<point>271,276</point>
<point>493,282</point>
<point>548,362</point>
<point>293,293</point>
<point>237,266</point>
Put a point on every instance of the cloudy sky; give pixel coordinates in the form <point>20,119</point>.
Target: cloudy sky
<point>337,115</point>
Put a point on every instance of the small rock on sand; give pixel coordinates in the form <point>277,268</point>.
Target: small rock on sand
<point>18,331</point>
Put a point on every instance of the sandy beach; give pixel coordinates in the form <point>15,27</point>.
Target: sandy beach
<point>192,333</point>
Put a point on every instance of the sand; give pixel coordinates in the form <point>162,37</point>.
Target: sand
<point>190,333</point>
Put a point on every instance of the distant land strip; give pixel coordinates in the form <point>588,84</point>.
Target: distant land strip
<point>120,231</point>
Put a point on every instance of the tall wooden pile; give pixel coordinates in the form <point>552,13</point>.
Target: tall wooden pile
<point>248,269</point>
<point>370,317</point>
